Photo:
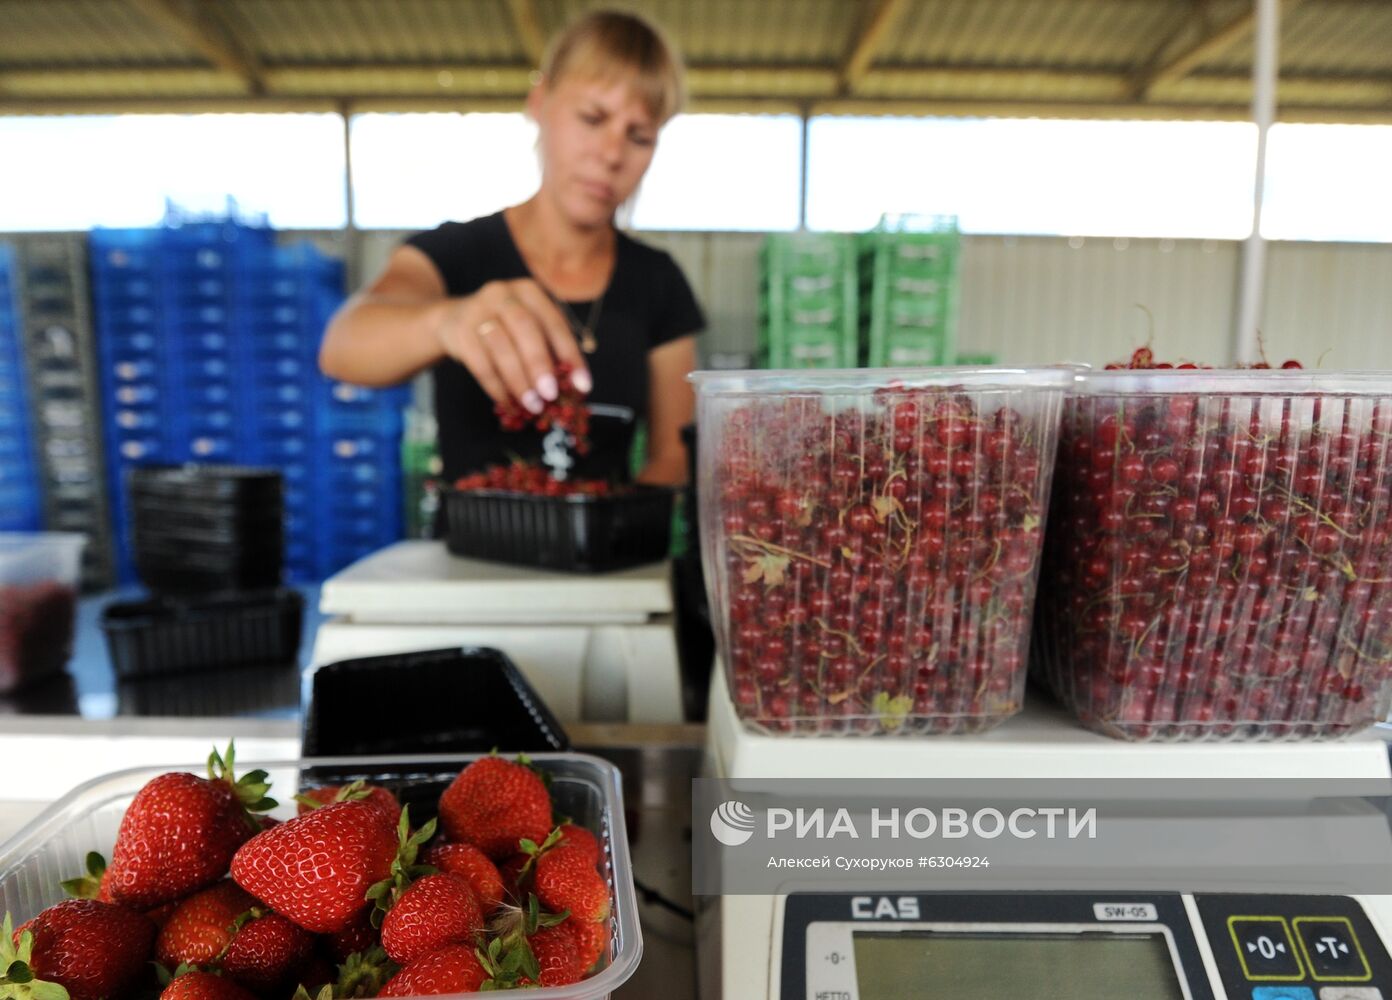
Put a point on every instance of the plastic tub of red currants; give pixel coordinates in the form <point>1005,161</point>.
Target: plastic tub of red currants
<point>1219,559</point>
<point>871,542</point>
<point>38,604</point>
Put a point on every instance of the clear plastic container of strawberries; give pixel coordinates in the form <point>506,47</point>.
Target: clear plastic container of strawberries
<point>871,541</point>
<point>433,876</point>
<point>1219,559</point>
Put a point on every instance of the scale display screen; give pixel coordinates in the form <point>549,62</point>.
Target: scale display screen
<point>977,966</point>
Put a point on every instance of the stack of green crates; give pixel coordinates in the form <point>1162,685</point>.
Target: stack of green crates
<point>808,309</point>
<point>910,280</point>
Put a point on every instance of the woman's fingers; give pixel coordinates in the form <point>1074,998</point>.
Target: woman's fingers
<point>560,338</point>
<point>465,343</point>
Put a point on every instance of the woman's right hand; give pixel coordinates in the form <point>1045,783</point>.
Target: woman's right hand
<point>511,336</point>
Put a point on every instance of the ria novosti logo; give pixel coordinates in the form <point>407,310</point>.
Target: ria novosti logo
<point>732,823</point>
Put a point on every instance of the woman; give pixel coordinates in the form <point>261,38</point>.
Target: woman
<point>503,306</point>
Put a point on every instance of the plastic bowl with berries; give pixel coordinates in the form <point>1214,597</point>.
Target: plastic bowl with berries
<point>1219,557</point>
<point>39,574</point>
<point>871,542</point>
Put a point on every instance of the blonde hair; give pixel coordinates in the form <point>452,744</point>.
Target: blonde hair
<point>606,44</point>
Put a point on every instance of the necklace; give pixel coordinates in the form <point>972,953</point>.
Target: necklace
<point>585,332</point>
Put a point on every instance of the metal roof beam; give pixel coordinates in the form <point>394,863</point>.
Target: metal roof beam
<point>527,24</point>
<point>1212,42</point>
<point>828,106</point>
<point>197,25</point>
<point>863,50</point>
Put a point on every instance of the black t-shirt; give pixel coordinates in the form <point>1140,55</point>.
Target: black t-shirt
<point>648,303</point>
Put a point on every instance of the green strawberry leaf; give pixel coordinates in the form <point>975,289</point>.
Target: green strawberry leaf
<point>17,980</point>
<point>87,886</point>
<point>364,973</point>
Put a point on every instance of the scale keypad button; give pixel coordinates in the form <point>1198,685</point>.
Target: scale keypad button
<point>1266,950</point>
<point>1332,950</point>
<point>1282,993</point>
<point>1350,993</point>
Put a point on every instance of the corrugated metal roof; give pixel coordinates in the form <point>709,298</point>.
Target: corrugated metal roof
<point>1097,58</point>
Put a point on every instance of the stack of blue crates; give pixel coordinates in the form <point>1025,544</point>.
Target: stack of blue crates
<point>209,337</point>
<point>20,498</point>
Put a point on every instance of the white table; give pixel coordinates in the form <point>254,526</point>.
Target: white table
<point>597,648</point>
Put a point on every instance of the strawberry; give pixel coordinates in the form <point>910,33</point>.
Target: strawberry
<point>473,865</point>
<point>267,952</point>
<point>317,972</point>
<point>358,791</point>
<point>92,949</point>
<point>494,804</point>
<point>198,985</point>
<point>201,926</point>
<point>558,957</point>
<point>435,911</point>
<point>516,873</point>
<point>180,831</point>
<point>454,968</point>
<point>580,839</point>
<point>316,869</point>
<point>357,937</point>
<point>566,880</point>
<point>591,941</point>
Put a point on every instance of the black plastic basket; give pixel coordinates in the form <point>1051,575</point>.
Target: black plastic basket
<point>576,534</point>
<point>205,482</point>
<point>164,636</point>
<point>468,700</point>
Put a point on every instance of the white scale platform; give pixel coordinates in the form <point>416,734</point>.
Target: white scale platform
<point>597,648</point>
<point>740,936</point>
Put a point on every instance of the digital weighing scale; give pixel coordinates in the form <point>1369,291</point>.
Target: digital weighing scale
<point>1004,946</point>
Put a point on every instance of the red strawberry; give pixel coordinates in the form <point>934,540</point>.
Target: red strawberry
<point>201,926</point>
<point>435,911</point>
<point>317,972</point>
<point>516,873</point>
<point>358,791</point>
<point>357,937</point>
<point>565,880</point>
<point>495,803</point>
<point>180,831</point>
<point>198,985</point>
<point>93,949</point>
<point>591,940</point>
<point>453,969</point>
<point>557,956</point>
<point>267,953</point>
<point>577,838</point>
<point>473,865</point>
<point>316,869</point>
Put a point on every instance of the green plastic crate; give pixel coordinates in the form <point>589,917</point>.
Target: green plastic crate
<point>910,284</point>
<point>809,304</point>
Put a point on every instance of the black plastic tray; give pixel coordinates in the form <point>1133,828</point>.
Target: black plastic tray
<point>191,579</point>
<point>202,516</point>
<point>578,534</point>
<point>469,700</point>
<point>205,482</point>
<point>164,636</point>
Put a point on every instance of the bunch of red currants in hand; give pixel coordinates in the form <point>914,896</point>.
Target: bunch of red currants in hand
<point>1219,559</point>
<point>533,480</point>
<point>567,411</point>
<point>877,554</point>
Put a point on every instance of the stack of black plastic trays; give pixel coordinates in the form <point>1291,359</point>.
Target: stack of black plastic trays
<point>207,528</point>
<point>60,365</point>
<point>209,543</point>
